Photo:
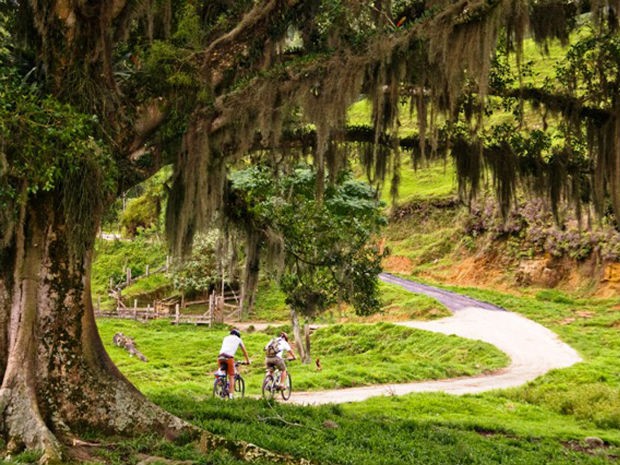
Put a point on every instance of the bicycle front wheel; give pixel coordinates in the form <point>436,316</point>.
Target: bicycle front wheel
<point>239,386</point>
<point>268,387</point>
<point>219,388</point>
<point>288,387</point>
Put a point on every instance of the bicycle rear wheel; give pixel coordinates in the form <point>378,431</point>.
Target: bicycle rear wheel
<point>288,387</point>
<point>269,387</point>
<point>239,386</point>
<point>219,388</point>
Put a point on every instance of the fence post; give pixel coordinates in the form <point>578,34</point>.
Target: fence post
<point>176,314</point>
<point>210,309</point>
<point>128,276</point>
<point>146,272</point>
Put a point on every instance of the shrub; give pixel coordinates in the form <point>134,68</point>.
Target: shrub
<point>531,229</point>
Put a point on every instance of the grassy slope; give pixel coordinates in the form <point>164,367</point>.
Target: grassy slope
<point>181,358</point>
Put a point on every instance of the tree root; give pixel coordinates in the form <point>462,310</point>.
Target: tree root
<point>25,429</point>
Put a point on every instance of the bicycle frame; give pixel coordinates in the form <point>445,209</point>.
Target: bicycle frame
<point>221,386</point>
<point>271,381</point>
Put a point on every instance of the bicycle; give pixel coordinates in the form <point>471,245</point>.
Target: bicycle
<point>271,382</point>
<point>221,387</point>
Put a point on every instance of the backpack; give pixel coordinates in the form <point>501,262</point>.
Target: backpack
<point>272,348</point>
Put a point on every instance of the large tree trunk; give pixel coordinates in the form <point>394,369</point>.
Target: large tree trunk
<point>57,377</point>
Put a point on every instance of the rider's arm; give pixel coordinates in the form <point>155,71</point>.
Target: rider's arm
<point>292,353</point>
<point>245,352</point>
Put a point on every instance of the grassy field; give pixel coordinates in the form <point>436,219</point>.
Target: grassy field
<point>182,358</point>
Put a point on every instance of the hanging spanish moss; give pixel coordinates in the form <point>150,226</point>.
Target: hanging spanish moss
<point>251,269</point>
<point>190,193</point>
<point>436,58</point>
<point>85,193</point>
<point>503,164</point>
<point>557,174</point>
<point>552,19</point>
<point>468,161</point>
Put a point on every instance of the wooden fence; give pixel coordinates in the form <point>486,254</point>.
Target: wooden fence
<point>218,311</point>
<point>220,306</point>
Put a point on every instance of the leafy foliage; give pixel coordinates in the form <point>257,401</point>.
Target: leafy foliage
<point>210,263</point>
<point>49,147</point>
<point>326,243</point>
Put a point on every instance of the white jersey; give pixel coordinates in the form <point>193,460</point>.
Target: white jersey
<point>281,346</point>
<point>230,344</point>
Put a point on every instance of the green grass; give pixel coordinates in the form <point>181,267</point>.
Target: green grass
<point>400,304</point>
<point>545,421</point>
<point>270,305</point>
<point>182,358</point>
<point>428,234</point>
<point>397,304</point>
<point>426,429</point>
<point>435,179</point>
<point>588,391</point>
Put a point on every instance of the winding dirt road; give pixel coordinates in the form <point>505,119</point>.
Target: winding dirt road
<point>533,349</point>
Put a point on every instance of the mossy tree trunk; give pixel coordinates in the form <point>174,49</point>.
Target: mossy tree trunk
<point>57,378</point>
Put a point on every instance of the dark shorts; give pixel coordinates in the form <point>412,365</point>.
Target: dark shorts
<point>275,361</point>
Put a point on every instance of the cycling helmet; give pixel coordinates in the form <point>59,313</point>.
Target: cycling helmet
<point>235,332</point>
<point>284,336</point>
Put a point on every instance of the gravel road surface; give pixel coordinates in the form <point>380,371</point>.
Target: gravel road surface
<point>533,349</point>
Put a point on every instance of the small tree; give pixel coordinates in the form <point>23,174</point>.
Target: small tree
<point>211,263</point>
<point>323,246</point>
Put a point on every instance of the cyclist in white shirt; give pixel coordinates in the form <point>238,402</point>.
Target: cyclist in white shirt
<point>281,345</point>
<point>226,358</point>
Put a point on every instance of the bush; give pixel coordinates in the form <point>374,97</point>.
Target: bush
<point>535,232</point>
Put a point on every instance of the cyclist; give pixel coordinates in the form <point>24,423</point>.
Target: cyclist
<point>226,358</point>
<point>274,355</point>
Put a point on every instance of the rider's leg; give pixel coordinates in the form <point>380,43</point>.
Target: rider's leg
<point>282,367</point>
<point>230,370</point>
<point>231,385</point>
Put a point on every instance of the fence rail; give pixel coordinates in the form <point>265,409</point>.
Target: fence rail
<point>218,311</point>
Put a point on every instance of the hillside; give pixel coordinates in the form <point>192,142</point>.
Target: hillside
<point>456,247</point>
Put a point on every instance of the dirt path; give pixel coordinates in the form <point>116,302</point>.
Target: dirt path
<point>533,349</point>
